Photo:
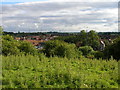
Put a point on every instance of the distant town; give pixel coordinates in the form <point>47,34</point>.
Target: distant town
<point>38,39</point>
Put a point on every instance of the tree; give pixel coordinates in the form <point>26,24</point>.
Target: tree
<point>14,47</point>
<point>83,38</point>
<point>9,45</point>
<point>8,38</point>
<point>27,48</point>
<point>89,39</point>
<point>113,50</point>
<point>86,50</point>
<point>60,49</point>
<point>93,40</point>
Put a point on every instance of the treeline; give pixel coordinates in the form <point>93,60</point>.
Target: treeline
<point>86,44</point>
<point>20,34</point>
<point>58,48</point>
<point>105,48</point>
<point>84,38</point>
<point>69,50</point>
<point>109,33</point>
<point>23,34</point>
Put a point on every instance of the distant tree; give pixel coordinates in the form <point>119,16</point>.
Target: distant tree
<point>113,50</point>
<point>68,39</point>
<point>86,50</point>
<point>60,48</point>
<point>93,40</point>
<point>83,38</point>
<point>90,38</point>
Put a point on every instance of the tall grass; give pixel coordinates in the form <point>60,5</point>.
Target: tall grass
<point>42,72</point>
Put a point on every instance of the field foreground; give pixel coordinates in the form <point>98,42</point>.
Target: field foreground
<point>42,72</point>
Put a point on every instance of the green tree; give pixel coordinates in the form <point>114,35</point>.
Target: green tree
<point>8,38</point>
<point>93,40</point>
<point>113,50</point>
<point>86,50</point>
<point>27,48</point>
<point>60,48</point>
<point>9,45</point>
<point>90,38</point>
<point>83,38</point>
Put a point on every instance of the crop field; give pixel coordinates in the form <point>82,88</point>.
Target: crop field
<point>54,72</point>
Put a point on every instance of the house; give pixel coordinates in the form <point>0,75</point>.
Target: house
<point>102,45</point>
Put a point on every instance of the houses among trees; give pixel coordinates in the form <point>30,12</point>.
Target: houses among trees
<point>89,44</point>
<point>97,41</point>
<point>37,41</point>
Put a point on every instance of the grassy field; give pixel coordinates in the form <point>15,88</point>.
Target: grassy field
<point>42,72</point>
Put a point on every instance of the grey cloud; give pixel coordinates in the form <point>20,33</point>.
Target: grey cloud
<point>50,15</point>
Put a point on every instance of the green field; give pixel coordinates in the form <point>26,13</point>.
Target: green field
<point>42,72</point>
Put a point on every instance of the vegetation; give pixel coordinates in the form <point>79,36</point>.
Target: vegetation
<point>60,49</point>
<point>68,62</point>
<point>83,39</point>
<point>14,47</point>
<point>54,72</point>
<point>1,30</point>
<point>86,50</point>
<point>113,49</point>
<point>1,39</point>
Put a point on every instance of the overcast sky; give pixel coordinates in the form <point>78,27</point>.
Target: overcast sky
<point>59,15</point>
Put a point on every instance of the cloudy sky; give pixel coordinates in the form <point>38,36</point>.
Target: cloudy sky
<point>59,15</point>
